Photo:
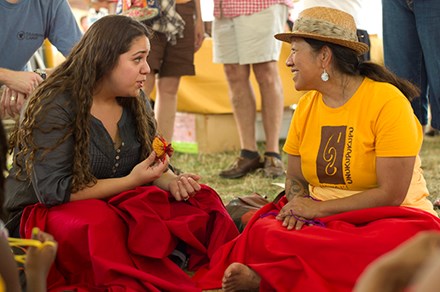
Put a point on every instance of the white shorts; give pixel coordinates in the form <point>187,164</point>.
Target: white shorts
<point>249,39</point>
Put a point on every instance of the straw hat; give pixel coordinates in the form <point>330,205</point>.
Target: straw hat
<point>328,25</point>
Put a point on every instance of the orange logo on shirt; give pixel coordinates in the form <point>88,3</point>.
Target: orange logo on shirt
<point>329,162</point>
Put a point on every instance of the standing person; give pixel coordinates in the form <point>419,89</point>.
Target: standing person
<point>179,33</point>
<point>242,37</point>
<point>84,151</point>
<point>354,185</point>
<point>25,25</point>
<point>354,8</point>
<point>413,55</point>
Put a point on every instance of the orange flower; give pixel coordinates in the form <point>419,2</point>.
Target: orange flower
<point>162,148</point>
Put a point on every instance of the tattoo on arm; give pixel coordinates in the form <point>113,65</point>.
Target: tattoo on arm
<point>295,187</point>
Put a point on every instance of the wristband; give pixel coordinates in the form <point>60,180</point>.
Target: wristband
<point>42,73</point>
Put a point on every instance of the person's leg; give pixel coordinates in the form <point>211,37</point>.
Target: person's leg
<point>165,106</point>
<point>272,102</point>
<point>241,95</point>
<point>177,61</point>
<point>427,15</point>
<point>244,109</point>
<point>243,103</point>
<point>263,51</point>
<point>402,50</point>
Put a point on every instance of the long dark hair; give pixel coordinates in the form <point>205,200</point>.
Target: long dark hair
<point>347,61</point>
<point>96,54</point>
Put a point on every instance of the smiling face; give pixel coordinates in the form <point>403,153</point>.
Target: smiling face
<point>305,65</point>
<point>130,73</point>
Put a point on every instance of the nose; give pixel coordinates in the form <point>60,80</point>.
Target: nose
<point>145,69</point>
<point>289,60</point>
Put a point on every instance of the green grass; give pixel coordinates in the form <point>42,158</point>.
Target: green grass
<point>430,155</point>
<point>209,165</point>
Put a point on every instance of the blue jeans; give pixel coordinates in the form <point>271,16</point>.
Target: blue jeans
<point>411,38</point>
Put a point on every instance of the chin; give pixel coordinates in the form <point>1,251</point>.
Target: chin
<point>298,87</point>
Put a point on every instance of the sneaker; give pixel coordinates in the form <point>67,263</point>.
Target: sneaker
<point>241,167</point>
<point>273,167</point>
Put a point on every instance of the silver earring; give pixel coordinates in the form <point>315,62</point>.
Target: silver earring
<point>324,76</point>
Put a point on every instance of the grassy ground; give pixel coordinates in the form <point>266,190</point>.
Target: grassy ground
<point>430,155</point>
<point>209,165</point>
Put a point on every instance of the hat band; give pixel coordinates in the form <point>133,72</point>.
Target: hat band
<point>322,28</point>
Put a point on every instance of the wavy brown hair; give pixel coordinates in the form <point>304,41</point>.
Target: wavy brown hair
<point>96,55</point>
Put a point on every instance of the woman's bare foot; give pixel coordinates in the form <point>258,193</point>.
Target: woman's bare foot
<point>239,277</point>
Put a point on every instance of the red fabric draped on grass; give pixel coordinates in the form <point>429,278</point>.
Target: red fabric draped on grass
<point>315,258</point>
<point>122,244</point>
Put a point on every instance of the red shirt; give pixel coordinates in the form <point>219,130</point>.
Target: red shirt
<point>234,8</point>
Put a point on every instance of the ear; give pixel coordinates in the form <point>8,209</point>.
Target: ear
<point>325,56</point>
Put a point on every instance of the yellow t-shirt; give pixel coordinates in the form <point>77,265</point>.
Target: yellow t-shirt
<point>339,146</point>
<point>182,1</point>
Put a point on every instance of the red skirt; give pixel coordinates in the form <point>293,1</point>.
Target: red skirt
<point>123,244</point>
<point>315,258</point>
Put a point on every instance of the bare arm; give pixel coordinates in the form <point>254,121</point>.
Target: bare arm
<point>21,81</point>
<point>8,267</point>
<point>296,184</point>
<point>395,270</point>
<point>143,173</point>
<point>18,85</point>
<point>393,179</point>
<point>148,171</point>
<point>182,187</point>
<point>199,29</point>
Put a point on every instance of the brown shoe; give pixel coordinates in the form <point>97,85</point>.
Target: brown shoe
<point>241,167</point>
<point>273,167</point>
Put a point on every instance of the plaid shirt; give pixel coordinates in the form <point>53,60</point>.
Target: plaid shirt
<point>234,8</point>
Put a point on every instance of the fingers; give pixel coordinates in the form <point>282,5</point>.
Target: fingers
<point>151,158</point>
<point>156,165</point>
<point>292,222</point>
<point>19,102</point>
<point>41,235</point>
<point>187,187</point>
<point>11,102</point>
<point>198,42</point>
<point>284,212</point>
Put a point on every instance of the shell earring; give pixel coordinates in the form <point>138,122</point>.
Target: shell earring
<point>324,76</point>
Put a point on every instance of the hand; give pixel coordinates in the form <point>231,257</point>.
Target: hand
<point>40,259</point>
<point>148,170</point>
<point>11,102</point>
<point>298,210</point>
<point>396,269</point>
<point>184,186</point>
<point>199,37</point>
<point>24,82</point>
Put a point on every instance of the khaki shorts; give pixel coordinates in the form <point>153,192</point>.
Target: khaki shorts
<point>175,60</point>
<point>249,39</point>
